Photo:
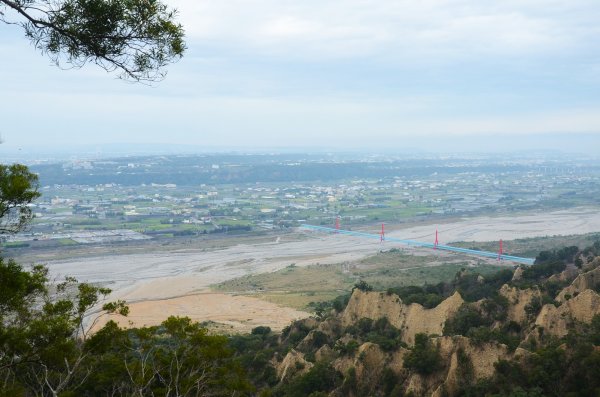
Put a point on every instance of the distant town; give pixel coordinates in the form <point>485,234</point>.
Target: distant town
<point>138,198</point>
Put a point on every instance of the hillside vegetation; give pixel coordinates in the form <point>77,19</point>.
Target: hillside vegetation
<point>529,331</point>
<point>533,331</point>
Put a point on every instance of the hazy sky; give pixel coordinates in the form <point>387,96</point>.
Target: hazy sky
<point>336,73</point>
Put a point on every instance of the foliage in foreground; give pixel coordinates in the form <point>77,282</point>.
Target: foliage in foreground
<point>46,350</point>
<point>136,37</point>
<point>18,189</point>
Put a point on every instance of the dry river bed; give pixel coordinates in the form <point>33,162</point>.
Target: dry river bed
<point>157,285</point>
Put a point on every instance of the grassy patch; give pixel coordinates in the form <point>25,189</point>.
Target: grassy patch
<point>308,280</point>
<point>297,287</point>
<point>298,300</point>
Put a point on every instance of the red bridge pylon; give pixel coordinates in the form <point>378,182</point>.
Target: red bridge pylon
<point>435,244</point>
<point>382,236</point>
<point>337,224</point>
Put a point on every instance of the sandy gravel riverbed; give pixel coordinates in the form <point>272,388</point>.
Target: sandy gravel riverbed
<point>176,282</point>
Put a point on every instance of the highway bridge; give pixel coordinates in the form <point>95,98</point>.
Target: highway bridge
<point>382,237</point>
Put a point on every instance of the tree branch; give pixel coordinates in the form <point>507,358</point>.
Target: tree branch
<point>136,37</point>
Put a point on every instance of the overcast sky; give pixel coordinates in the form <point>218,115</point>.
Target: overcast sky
<point>332,73</point>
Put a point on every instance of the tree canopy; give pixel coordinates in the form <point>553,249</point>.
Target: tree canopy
<point>137,38</point>
<point>18,189</point>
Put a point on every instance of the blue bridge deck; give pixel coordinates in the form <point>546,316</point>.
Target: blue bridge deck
<point>487,254</point>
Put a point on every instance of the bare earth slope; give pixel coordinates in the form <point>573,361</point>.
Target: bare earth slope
<point>412,319</point>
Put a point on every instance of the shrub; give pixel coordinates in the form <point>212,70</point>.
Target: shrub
<point>553,288</point>
<point>495,308</point>
<point>380,332</point>
<point>423,357</point>
<point>260,330</point>
<point>472,289</point>
<point>340,303</point>
<point>320,378</point>
<point>388,381</point>
<point>319,339</point>
<point>485,334</point>
<point>428,296</point>
<point>348,348</point>
<point>534,307</point>
<point>466,317</point>
<point>350,382</point>
<point>363,286</point>
<point>543,269</point>
<point>364,325</point>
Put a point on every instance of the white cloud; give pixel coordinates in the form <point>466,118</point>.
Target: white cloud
<point>342,28</point>
<point>286,72</point>
<point>266,122</point>
<point>583,120</point>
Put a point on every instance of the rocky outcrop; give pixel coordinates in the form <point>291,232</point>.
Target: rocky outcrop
<point>590,264</point>
<point>331,326</point>
<point>325,353</point>
<point>518,299</point>
<point>308,341</point>
<point>411,319</point>
<point>368,363</point>
<point>518,274</point>
<point>293,364</point>
<point>461,362</point>
<point>587,280</point>
<point>571,271</point>
<point>458,355</point>
<point>464,361</point>
<point>556,321</point>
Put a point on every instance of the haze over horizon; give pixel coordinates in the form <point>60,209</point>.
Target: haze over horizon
<point>527,146</point>
<point>438,75</point>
